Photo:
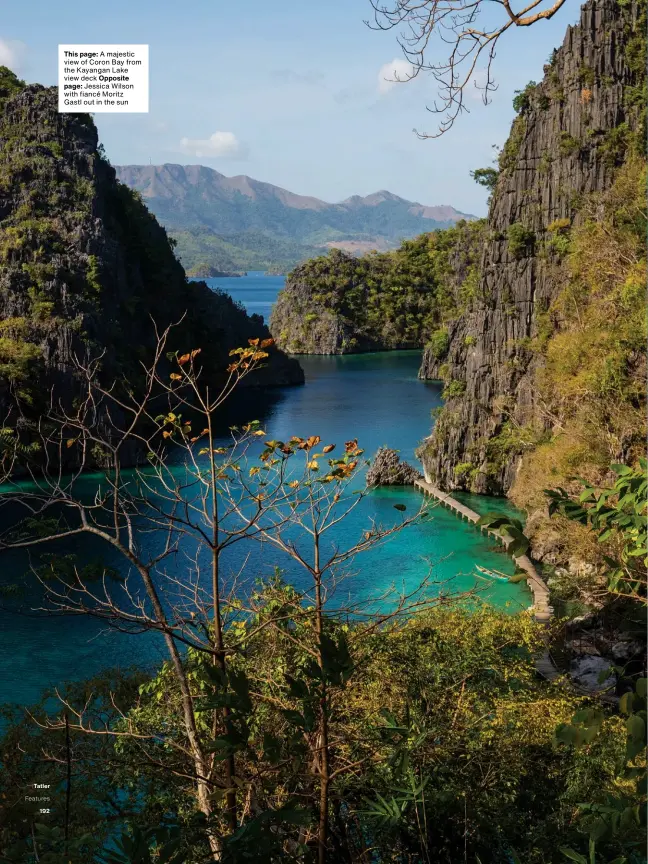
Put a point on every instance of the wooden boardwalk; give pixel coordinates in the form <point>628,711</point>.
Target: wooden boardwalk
<point>542,611</point>
<point>541,608</point>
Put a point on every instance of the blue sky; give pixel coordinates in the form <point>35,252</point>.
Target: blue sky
<point>293,87</point>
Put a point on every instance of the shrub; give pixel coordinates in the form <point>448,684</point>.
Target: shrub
<point>559,226</point>
<point>16,356</point>
<point>558,241</point>
<point>453,389</point>
<point>586,76</point>
<point>509,152</point>
<point>520,240</point>
<point>439,343</point>
<point>614,144</point>
<point>93,275</point>
<point>568,144</point>
<point>485,177</point>
<point>522,98</point>
<point>545,163</point>
<point>462,470</point>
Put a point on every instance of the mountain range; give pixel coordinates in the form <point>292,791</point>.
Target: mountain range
<point>238,223</point>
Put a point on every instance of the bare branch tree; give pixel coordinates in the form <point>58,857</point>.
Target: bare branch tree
<point>172,522</point>
<point>468,30</point>
<point>129,506</point>
<point>301,524</point>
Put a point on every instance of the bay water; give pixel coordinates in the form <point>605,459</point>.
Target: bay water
<point>376,398</point>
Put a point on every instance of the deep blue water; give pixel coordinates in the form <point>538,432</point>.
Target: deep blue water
<point>376,398</point>
<point>256,291</point>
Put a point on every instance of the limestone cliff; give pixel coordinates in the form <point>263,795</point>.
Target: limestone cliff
<point>85,269</point>
<point>572,133</point>
<point>338,304</point>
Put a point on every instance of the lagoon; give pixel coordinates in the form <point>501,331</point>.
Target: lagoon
<point>376,398</point>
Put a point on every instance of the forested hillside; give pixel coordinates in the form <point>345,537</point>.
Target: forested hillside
<point>86,270</point>
<point>338,304</point>
<point>239,223</point>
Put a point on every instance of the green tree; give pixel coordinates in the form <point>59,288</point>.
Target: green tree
<point>618,515</point>
<point>486,177</point>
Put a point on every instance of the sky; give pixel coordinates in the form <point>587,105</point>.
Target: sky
<point>294,92</point>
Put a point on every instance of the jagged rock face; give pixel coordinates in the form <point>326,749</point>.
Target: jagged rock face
<point>338,304</point>
<point>84,267</point>
<point>388,470</point>
<point>298,330</point>
<point>561,148</point>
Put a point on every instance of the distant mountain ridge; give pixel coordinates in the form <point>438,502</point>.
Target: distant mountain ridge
<point>230,222</point>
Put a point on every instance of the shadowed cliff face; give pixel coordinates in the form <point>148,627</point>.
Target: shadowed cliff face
<point>567,142</point>
<point>85,269</point>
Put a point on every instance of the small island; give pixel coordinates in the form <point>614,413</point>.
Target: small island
<point>207,271</point>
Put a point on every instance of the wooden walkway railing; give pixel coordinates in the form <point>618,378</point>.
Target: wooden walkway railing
<point>541,608</point>
<point>542,611</point>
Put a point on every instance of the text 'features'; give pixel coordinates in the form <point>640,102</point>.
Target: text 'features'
<point>96,78</point>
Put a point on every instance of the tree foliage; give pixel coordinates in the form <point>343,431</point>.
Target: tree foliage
<point>618,515</point>
<point>383,300</point>
<point>442,741</point>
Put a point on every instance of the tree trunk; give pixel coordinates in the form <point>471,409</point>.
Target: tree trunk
<point>219,656</point>
<point>324,769</point>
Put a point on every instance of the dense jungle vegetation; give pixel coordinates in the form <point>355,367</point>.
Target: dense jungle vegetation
<point>385,300</point>
<point>285,725</point>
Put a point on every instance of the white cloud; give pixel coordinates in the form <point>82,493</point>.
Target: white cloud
<point>12,53</point>
<point>224,145</point>
<point>392,73</point>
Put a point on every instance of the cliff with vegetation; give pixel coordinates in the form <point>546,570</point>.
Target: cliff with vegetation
<point>545,370</point>
<point>85,269</point>
<point>338,304</point>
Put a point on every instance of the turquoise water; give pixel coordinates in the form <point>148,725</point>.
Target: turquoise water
<point>483,504</point>
<point>374,397</point>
